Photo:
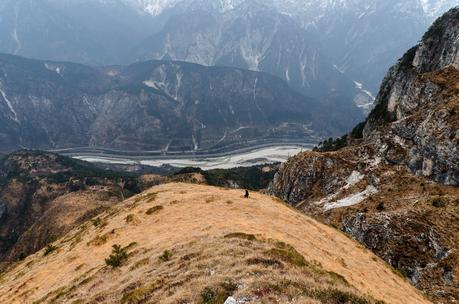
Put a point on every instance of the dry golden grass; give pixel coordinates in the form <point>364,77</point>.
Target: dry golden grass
<point>289,258</point>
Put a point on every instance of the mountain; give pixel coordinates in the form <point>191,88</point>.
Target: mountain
<point>358,35</point>
<point>257,37</point>
<point>53,30</point>
<point>355,36</point>
<point>333,51</point>
<point>392,183</point>
<point>155,105</point>
<point>154,248</point>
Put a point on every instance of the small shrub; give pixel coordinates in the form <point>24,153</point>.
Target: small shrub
<point>130,218</point>
<point>165,256</point>
<point>98,222</point>
<point>98,240</point>
<point>208,295</point>
<point>229,287</point>
<point>213,296</point>
<point>288,254</point>
<point>331,144</point>
<point>117,257</point>
<point>381,207</point>
<point>265,262</point>
<point>337,296</point>
<point>141,294</point>
<point>49,249</point>
<point>357,132</point>
<point>131,245</point>
<point>151,197</point>
<point>210,199</point>
<point>438,202</point>
<point>241,235</point>
<point>22,256</point>
<point>153,210</point>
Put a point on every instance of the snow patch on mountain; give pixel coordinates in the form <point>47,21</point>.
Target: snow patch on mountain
<point>9,104</point>
<point>54,68</point>
<point>153,7</point>
<point>434,8</point>
<point>364,99</point>
<point>351,200</point>
<point>156,7</point>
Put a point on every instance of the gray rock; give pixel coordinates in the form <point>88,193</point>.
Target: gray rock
<point>231,300</point>
<point>410,105</point>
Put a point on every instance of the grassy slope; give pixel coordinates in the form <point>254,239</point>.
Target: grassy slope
<point>192,223</point>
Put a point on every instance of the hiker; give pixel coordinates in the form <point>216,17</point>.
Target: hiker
<point>246,194</point>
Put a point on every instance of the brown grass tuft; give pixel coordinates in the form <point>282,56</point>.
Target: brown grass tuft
<point>153,210</point>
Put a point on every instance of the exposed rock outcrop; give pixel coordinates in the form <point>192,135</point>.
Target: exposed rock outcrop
<point>394,187</point>
<point>417,107</point>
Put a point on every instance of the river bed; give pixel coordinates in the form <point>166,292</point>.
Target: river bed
<point>253,157</point>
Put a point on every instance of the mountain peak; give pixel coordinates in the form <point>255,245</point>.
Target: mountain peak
<point>435,8</point>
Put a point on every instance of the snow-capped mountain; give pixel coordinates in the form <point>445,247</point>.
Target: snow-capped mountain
<point>157,7</point>
<point>84,31</point>
<point>431,8</point>
<point>435,8</point>
<point>357,35</point>
<point>152,7</point>
<point>257,37</point>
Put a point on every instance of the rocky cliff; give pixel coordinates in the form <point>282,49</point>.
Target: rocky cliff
<point>417,106</point>
<point>393,186</point>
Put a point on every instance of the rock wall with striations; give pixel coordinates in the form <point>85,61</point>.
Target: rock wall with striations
<point>394,187</point>
<point>417,104</point>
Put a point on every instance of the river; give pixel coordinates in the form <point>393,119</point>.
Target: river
<point>247,158</point>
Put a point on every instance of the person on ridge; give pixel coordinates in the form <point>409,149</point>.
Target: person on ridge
<point>246,194</point>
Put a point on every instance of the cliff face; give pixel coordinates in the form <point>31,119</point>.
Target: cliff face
<point>417,105</point>
<point>394,189</point>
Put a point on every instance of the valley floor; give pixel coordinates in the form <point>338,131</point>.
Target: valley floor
<point>240,158</point>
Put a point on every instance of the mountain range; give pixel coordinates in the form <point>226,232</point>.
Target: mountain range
<point>334,51</point>
<point>73,232</point>
<point>154,105</point>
